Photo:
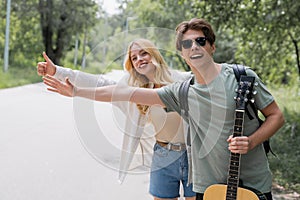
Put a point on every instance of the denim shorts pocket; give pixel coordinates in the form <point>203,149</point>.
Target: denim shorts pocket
<point>160,151</point>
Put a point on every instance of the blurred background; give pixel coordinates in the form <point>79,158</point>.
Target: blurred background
<point>92,35</point>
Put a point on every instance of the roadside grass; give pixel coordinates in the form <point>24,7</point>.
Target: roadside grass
<point>285,143</point>
<point>18,76</point>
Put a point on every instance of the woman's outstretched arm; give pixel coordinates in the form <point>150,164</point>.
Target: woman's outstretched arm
<point>78,78</point>
<point>107,93</point>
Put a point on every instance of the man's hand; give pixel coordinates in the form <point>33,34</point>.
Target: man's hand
<point>238,144</point>
<point>64,88</point>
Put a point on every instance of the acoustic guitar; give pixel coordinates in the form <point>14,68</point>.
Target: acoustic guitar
<point>232,191</point>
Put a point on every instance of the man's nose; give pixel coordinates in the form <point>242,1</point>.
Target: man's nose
<point>194,44</point>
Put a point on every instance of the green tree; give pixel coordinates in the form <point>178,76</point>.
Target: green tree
<point>61,20</point>
<point>161,14</point>
<point>265,33</point>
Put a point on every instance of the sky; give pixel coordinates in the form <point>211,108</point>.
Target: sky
<point>110,6</point>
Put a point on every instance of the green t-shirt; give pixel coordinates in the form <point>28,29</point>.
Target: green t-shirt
<point>211,109</point>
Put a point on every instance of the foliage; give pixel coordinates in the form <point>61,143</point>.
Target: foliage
<point>260,34</point>
<point>27,28</point>
<point>18,77</point>
<point>276,57</point>
<point>25,37</point>
<point>265,33</point>
<point>285,143</point>
<point>61,20</point>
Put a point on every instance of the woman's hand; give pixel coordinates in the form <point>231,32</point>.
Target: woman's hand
<point>239,144</point>
<point>64,88</point>
<point>46,68</point>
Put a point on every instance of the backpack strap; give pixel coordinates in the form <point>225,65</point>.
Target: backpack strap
<point>184,106</point>
<point>183,97</point>
<point>238,71</point>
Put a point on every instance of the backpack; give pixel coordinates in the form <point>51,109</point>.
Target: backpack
<point>184,107</point>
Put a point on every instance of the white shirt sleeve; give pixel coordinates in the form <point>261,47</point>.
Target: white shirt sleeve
<point>82,79</point>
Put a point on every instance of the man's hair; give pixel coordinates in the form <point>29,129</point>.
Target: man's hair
<point>197,25</point>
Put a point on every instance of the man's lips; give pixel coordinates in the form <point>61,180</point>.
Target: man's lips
<point>196,56</point>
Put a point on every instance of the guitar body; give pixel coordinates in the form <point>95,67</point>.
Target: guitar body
<point>218,192</point>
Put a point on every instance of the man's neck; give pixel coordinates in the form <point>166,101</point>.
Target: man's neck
<point>207,74</point>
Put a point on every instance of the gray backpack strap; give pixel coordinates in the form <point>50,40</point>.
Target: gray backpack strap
<point>238,71</point>
<point>183,97</point>
<point>184,107</point>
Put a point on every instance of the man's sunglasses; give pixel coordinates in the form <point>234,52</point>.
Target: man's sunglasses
<point>200,41</point>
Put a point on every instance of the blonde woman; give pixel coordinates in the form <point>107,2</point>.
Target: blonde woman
<point>146,68</point>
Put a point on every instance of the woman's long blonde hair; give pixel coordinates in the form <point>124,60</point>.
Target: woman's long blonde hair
<point>162,74</point>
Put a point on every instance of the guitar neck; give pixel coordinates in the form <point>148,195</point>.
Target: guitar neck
<point>234,166</point>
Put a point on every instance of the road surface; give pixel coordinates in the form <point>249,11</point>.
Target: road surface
<point>43,157</point>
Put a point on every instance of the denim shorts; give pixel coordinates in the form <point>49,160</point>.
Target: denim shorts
<point>169,169</point>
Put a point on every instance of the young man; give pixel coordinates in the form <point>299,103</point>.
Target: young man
<point>212,110</point>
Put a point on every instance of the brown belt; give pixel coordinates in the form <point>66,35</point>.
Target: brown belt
<point>172,146</point>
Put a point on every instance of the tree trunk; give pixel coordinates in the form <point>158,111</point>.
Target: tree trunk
<point>297,53</point>
<point>45,9</point>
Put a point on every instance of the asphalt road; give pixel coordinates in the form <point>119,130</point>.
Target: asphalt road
<point>44,157</point>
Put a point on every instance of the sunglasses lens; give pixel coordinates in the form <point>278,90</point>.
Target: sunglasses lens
<point>201,41</point>
<point>187,44</point>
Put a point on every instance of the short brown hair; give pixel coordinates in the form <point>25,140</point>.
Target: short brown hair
<point>197,25</point>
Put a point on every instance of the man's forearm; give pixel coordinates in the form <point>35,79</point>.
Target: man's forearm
<point>120,93</point>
